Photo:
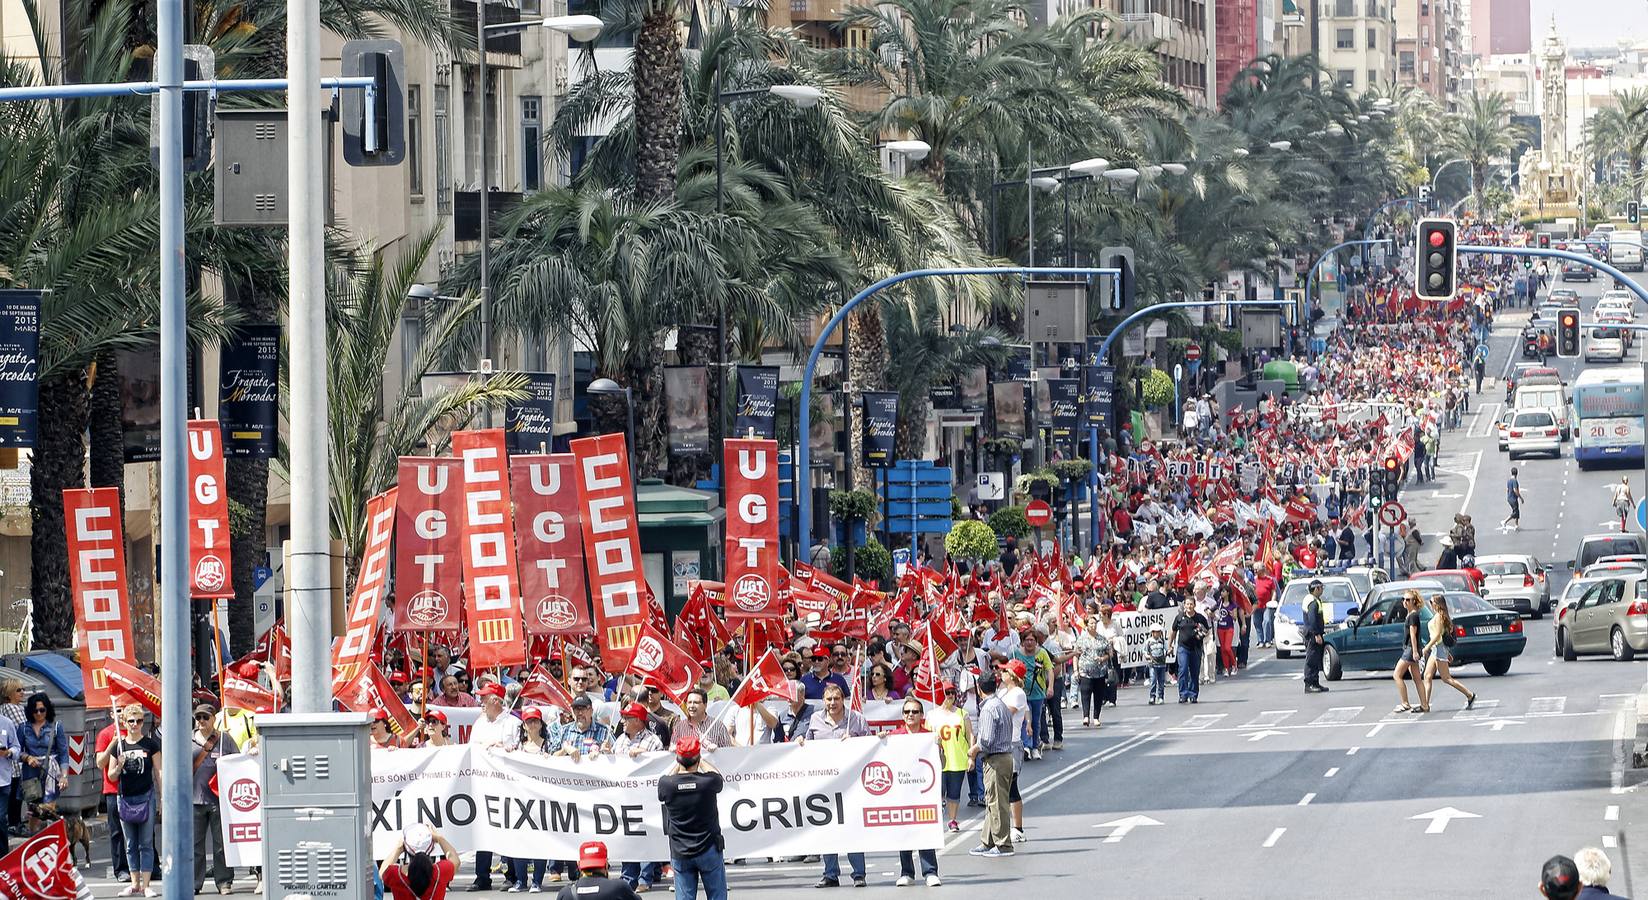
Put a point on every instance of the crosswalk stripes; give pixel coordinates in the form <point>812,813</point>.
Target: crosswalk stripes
<point>1396,714</point>
<point>1482,710</point>
<point>1270,718</point>
<point>1338,715</point>
<point>1547,706</point>
<point>1197,723</point>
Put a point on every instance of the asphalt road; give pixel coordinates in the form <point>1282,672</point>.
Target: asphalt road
<point>1264,791</point>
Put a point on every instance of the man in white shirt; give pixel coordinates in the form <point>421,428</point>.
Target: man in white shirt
<point>1012,695</point>
<point>494,730</point>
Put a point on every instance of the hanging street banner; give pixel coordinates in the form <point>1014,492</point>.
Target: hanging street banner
<point>19,357</point>
<point>97,581</point>
<point>612,546</point>
<point>491,587</point>
<point>208,512</point>
<point>140,403</point>
<point>360,636</point>
<point>530,424</point>
<point>1008,399</point>
<point>687,396</point>
<point>428,547</point>
<point>549,544</point>
<point>752,529</point>
<point>880,428</point>
<point>1064,396</point>
<point>249,392</point>
<point>972,389</point>
<point>857,795</point>
<point>1099,396</point>
<point>757,403</point>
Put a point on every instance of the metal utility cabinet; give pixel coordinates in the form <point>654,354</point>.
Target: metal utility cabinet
<point>316,799</point>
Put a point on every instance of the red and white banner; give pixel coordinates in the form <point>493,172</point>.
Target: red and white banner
<point>208,512</point>
<point>664,665</point>
<point>97,578</point>
<point>492,590</point>
<point>751,471</point>
<point>241,693</point>
<point>129,684</point>
<point>612,546</point>
<point>548,544</point>
<point>766,680</point>
<point>42,869</point>
<point>428,572</point>
<point>360,633</point>
<point>368,690</point>
<point>540,685</point>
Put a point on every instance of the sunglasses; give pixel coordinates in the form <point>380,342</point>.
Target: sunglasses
<point>912,712</point>
<point>134,721</point>
<point>199,717</point>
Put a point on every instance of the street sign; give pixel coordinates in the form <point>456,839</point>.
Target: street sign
<point>1642,514</point>
<point>1038,513</point>
<point>1392,514</point>
<point>1193,352</point>
<point>992,486</point>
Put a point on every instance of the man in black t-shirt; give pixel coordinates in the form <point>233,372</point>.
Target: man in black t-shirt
<point>1154,598</point>
<point>1189,629</point>
<point>692,821</point>
<point>593,883</point>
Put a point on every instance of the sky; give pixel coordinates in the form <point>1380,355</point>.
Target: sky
<point>1592,23</point>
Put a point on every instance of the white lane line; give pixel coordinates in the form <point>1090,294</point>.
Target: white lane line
<point>1352,751</point>
<point>1547,706</point>
<point>1331,772</point>
<point>1611,814</point>
<point>1274,837</point>
<point>1616,775</point>
<point>1376,729</point>
<point>1609,842</point>
<point>1270,718</point>
<point>1482,710</point>
<point>1470,480</point>
<point>1197,723</point>
<point>1338,715</point>
<point>1305,800</point>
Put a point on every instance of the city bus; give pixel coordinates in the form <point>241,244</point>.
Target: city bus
<point>1608,416</point>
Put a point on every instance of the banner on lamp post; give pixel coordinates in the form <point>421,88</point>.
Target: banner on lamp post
<point>1099,396</point>
<point>1008,399</point>
<point>249,392</point>
<point>549,544</point>
<point>687,396</point>
<point>491,585</point>
<point>1064,395</point>
<point>428,544</point>
<point>880,428</point>
<point>757,403</point>
<point>530,424</point>
<point>19,362</point>
<point>751,468</point>
<point>208,512</point>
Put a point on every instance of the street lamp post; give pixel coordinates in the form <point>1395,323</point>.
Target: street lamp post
<point>576,28</point>
<point>606,387</point>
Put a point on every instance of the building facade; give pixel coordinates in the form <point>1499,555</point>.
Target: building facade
<point>1183,35</point>
<point>1357,42</point>
<point>1501,27</point>
<point>1430,47</point>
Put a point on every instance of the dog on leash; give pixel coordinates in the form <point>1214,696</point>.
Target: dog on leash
<point>42,814</point>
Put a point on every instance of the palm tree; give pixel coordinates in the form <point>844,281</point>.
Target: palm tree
<point>1622,130</point>
<point>366,301</point>
<point>1482,133</point>
<point>929,354</point>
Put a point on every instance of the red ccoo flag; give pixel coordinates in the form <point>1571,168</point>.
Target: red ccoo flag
<point>129,684</point>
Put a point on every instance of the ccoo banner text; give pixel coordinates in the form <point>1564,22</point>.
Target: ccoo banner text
<point>858,795</point>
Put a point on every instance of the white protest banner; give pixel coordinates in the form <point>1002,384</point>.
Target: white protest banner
<point>865,794</point>
<point>1132,628</point>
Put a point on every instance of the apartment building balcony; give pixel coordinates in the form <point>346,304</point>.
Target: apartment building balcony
<point>815,10</point>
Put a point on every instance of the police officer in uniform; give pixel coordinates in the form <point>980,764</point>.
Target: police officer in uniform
<point>593,883</point>
<point>1314,627</point>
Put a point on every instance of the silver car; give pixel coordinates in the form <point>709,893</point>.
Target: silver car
<point>1565,605</point>
<point>1611,617</point>
<point>1516,581</point>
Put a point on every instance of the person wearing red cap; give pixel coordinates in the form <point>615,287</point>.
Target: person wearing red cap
<point>821,676</point>
<point>635,737</point>
<point>593,882</point>
<point>692,821</point>
<point>434,732</point>
<point>495,730</point>
<point>382,738</point>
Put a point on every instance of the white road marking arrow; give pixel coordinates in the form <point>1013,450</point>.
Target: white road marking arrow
<point>1121,827</point>
<point>1441,817</point>
<point>1498,724</point>
<point>1261,735</point>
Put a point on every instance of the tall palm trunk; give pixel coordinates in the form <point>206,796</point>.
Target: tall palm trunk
<point>658,88</point>
<point>59,463</point>
<point>867,368</point>
<point>911,435</point>
<point>107,466</point>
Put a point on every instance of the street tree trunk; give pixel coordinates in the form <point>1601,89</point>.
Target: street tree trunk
<point>658,87</point>
<point>59,463</point>
<point>867,368</point>
<point>107,466</point>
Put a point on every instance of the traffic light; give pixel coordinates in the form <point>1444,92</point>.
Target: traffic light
<point>1438,259</point>
<point>1631,211</point>
<point>1391,480</point>
<point>1544,240</point>
<point>1121,299</point>
<point>197,132</point>
<point>1567,332</point>
<point>374,130</point>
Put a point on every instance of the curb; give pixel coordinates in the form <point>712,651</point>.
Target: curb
<point>1637,732</point>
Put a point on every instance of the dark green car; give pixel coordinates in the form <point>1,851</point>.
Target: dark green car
<point>1371,640</point>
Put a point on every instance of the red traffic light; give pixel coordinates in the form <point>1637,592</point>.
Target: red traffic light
<point>1437,238</point>
<point>1391,463</point>
<point>1568,320</point>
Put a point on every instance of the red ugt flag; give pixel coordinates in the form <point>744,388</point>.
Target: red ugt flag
<point>661,663</point>
<point>42,869</point>
<point>765,680</point>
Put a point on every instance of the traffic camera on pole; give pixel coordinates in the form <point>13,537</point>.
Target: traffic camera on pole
<point>1567,332</point>
<point>1438,259</point>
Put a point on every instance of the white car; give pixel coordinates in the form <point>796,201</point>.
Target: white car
<point>1340,594</point>
<point>1604,343</point>
<point>1515,581</point>
<point>1533,431</point>
<point>1619,303</point>
<point>1503,426</point>
<point>1570,595</point>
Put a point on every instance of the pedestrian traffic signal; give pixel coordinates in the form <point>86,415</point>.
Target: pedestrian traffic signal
<point>1544,240</point>
<point>1631,211</point>
<point>1438,259</point>
<point>1567,332</point>
<point>374,128</point>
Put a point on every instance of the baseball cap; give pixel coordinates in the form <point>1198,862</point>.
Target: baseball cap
<point>687,745</point>
<point>205,709</point>
<point>380,715</point>
<point>821,652</point>
<point>532,712</point>
<point>492,690</point>
<point>582,701</point>
<point>635,711</point>
<point>1016,666</point>
<point>592,855</point>
<point>435,714</point>
<point>418,838</point>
